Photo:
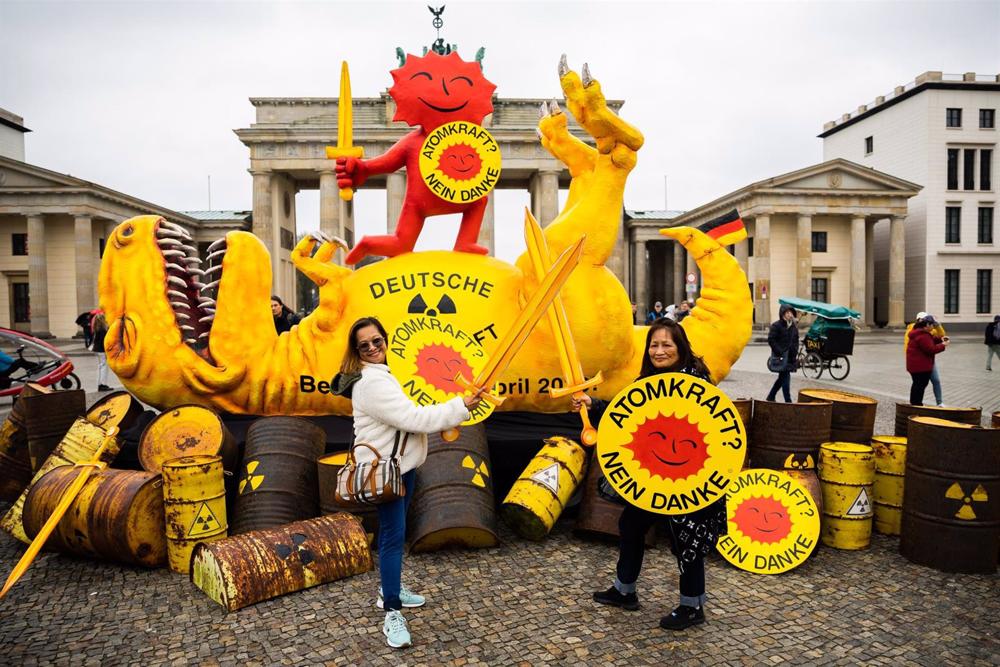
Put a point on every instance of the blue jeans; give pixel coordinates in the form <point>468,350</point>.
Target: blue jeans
<point>936,385</point>
<point>391,535</point>
<point>783,382</point>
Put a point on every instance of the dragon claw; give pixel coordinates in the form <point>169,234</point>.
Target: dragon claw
<point>585,76</point>
<point>554,108</point>
<point>542,110</point>
<point>563,67</point>
<point>216,243</point>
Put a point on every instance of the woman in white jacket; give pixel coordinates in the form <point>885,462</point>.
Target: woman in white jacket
<point>381,409</point>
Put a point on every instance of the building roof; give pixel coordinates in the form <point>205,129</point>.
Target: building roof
<point>925,81</point>
<point>235,216</point>
<point>12,120</point>
<point>652,215</point>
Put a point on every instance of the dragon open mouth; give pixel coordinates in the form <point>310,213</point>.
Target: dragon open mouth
<point>189,288</point>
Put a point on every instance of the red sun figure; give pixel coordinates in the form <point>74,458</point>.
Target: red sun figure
<point>460,162</point>
<point>763,519</point>
<point>439,364</point>
<point>668,447</point>
<point>429,91</point>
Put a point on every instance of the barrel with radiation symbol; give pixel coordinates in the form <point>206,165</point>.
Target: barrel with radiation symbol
<point>847,475</point>
<point>186,430</point>
<point>890,470</point>
<point>852,418</point>
<point>194,506</point>
<point>15,464</point>
<point>540,494</point>
<point>788,435</point>
<point>48,418</point>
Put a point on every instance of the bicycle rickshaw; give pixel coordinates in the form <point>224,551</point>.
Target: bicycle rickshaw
<point>29,359</point>
<point>830,340</point>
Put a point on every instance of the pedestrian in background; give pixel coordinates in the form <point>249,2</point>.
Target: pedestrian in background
<point>635,312</point>
<point>992,341</point>
<point>83,321</point>
<point>938,333</point>
<point>284,318</point>
<point>656,313</point>
<point>920,353</point>
<point>783,337</point>
<point>683,310</point>
<point>100,326</point>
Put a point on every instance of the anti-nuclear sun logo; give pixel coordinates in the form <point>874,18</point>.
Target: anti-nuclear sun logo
<point>763,519</point>
<point>438,365</point>
<point>669,447</point>
<point>460,162</point>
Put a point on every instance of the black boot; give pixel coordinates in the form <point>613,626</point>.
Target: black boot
<point>683,617</point>
<point>628,601</point>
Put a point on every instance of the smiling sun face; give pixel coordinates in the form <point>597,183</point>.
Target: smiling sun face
<point>439,364</point>
<point>432,90</point>
<point>460,162</point>
<point>763,519</point>
<point>669,447</point>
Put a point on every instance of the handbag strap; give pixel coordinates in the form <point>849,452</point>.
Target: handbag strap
<point>395,446</point>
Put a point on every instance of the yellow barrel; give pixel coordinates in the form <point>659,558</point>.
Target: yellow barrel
<point>194,504</point>
<point>847,475</point>
<point>540,494</point>
<point>890,468</point>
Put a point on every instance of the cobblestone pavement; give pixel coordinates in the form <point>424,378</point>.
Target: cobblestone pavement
<point>528,603</point>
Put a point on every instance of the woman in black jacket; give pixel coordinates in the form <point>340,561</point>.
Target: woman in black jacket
<point>284,318</point>
<point>783,338</point>
<point>692,536</point>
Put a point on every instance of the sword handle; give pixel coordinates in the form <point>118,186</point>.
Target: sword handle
<point>451,435</point>
<point>589,434</point>
<point>467,385</point>
<point>347,194</point>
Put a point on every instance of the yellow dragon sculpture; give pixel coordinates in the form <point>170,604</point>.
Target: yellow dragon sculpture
<point>172,342</point>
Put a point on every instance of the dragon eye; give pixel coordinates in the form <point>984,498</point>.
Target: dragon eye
<point>127,230</point>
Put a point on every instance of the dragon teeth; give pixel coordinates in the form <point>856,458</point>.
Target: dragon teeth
<point>212,269</point>
<point>187,327</point>
<point>211,285</point>
<point>175,293</point>
<point>174,280</point>
<point>203,335</point>
<point>182,316</point>
<point>170,252</point>
<point>213,255</point>
<point>216,243</point>
<point>176,267</point>
<point>175,305</point>
<point>173,243</point>
<point>207,318</point>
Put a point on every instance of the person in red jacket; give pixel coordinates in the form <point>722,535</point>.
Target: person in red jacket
<point>920,359</point>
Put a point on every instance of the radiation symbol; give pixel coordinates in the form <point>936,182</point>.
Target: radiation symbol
<point>297,547</point>
<point>445,306</point>
<point>861,506</point>
<point>251,481</point>
<point>794,463</point>
<point>480,471</point>
<point>548,477</point>
<point>966,512</point>
<point>205,522</point>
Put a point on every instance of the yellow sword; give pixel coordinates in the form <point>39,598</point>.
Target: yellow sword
<point>569,360</point>
<point>57,514</point>
<point>514,338</point>
<point>345,132</point>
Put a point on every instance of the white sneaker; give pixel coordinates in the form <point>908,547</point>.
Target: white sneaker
<point>397,634</point>
<point>407,598</point>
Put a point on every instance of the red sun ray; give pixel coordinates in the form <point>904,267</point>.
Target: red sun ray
<point>438,364</point>
<point>763,519</point>
<point>669,447</point>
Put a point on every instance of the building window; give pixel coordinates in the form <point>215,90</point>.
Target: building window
<point>22,305</point>
<point>819,241</point>
<point>287,239</point>
<point>984,294</point>
<point>820,289</point>
<point>986,224</point>
<point>985,169</point>
<point>953,169</point>
<point>950,291</point>
<point>952,224</point>
<point>969,171</point>
<point>987,118</point>
<point>869,145</point>
<point>749,246</point>
<point>100,248</point>
<point>19,244</point>
<point>953,118</point>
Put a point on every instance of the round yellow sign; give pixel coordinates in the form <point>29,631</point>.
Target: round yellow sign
<point>425,354</point>
<point>460,162</point>
<point>671,443</point>
<point>773,522</point>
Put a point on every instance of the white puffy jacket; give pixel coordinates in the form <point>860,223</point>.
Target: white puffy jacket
<point>381,407</point>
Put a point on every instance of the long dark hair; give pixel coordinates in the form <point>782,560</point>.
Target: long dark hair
<point>351,362</point>
<point>686,359</point>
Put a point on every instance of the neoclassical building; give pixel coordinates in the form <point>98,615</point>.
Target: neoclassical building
<point>810,235</point>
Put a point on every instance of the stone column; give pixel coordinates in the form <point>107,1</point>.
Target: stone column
<point>38,279</point>
<point>641,278</point>
<point>534,193</point>
<point>897,270</point>
<point>263,224</point>
<point>762,268</point>
<point>486,235</point>
<point>680,263</point>
<point>743,255</point>
<point>803,264</point>
<point>86,276</point>
<point>549,196</point>
<point>870,274</point>
<point>395,190</point>
<point>691,267</point>
<point>329,203</point>
<point>858,266</point>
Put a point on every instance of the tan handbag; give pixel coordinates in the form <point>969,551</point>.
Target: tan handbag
<point>372,482</point>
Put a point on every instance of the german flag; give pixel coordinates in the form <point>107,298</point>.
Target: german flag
<point>727,229</point>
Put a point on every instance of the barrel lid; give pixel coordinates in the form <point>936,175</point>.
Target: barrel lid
<point>846,447</point>
<point>937,421</point>
<point>338,459</point>
<point>837,395</point>
<point>192,460</point>
<point>889,439</point>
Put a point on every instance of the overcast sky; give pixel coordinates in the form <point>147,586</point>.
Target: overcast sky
<point>142,97</point>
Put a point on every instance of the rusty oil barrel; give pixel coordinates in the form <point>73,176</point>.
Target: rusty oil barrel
<point>598,518</point>
<point>788,435</point>
<point>278,483</point>
<point>246,569</point>
<point>194,506</point>
<point>852,418</point>
<point>117,516</point>
<point>186,430</point>
<point>951,502</point>
<point>79,445</point>
<point>15,462</point>
<point>119,408</point>
<point>452,502</point>
<point>846,472</point>
<point>890,470</point>
<point>48,418</point>
<point>744,406</point>
<point>810,480</point>
<point>327,469</point>
<point>971,416</point>
<point>540,494</point>
<point>996,419</point>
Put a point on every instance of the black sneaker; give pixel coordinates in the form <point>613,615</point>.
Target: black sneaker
<point>103,387</point>
<point>683,617</point>
<point>628,602</point>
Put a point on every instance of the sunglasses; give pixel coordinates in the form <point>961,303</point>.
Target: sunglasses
<point>373,344</point>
